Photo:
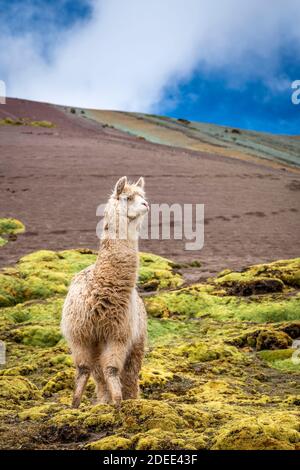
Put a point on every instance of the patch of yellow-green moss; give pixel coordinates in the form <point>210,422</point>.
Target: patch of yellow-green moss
<point>9,229</point>
<point>11,226</point>
<point>37,413</point>
<point>157,273</point>
<point>3,241</point>
<point>111,443</point>
<point>156,439</point>
<point>282,359</point>
<point>45,273</point>
<point>14,389</point>
<point>25,122</point>
<point>200,351</point>
<point>199,302</point>
<point>60,381</point>
<point>41,275</point>
<point>262,278</point>
<point>277,431</point>
<point>149,414</point>
<point>43,336</point>
<point>265,338</point>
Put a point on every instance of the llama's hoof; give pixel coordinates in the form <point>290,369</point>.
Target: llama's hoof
<point>102,401</point>
<point>75,403</point>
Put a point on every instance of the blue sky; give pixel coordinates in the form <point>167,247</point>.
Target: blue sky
<point>221,61</point>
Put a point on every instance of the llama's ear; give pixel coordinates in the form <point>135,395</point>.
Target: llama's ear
<point>140,182</point>
<point>120,185</point>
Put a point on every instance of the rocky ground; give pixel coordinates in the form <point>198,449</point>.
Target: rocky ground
<point>221,370</point>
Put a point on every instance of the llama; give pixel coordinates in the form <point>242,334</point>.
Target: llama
<point>104,319</point>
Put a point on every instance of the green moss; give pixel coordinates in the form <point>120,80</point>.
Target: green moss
<point>157,273</point>
<point>276,355</point>
<point>9,228</point>
<point>96,418</point>
<point>45,273</point>
<point>37,413</point>
<point>287,365</point>
<point>198,301</point>
<point>155,439</point>
<point>269,339</point>
<point>25,122</point>
<point>149,414</point>
<point>284,272</point>
<point>200,352</point>
<point>203,384</point>
<point>162,331</point>
<point>47,124</point>
<point>61,381</point>
<point>2,241</point>
<point>42,336</point>
<point>279,431</point>
<point>282,359</point>
<point>19,370</point>
<point>111,443</point>
<point>36,312</point>
<point>41,275</point>
<point>17,388</point>
<point>152,377</point>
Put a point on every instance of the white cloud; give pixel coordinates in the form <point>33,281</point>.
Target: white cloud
<point>129,51</point>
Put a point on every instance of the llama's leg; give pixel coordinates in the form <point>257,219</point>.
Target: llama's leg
<point>102,392</point>
<point>112,361</point>
<point>130,374</point>
<point>83,359</point>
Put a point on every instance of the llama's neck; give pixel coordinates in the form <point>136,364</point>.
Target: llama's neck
<point>117,229</point>
<point>117,263</point>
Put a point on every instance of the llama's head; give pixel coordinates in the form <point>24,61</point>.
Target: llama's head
<point>126,209</point>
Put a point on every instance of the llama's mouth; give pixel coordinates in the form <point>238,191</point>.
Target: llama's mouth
<point>131,218</point>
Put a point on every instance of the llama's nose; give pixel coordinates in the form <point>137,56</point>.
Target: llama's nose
<point>145,203</point>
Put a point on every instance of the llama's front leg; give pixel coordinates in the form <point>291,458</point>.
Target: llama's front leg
<point>112,361</point>
<point>101,386</point>
<point>83,359</point>
<point>82,376</point>
<point>130,374</point>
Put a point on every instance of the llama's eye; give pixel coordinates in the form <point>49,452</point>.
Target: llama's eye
<point>130,198</point>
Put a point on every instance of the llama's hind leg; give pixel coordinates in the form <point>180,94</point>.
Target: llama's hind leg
<point>102,391</point>
<point>112,361</point>
<point>83,359</point>
<point>130,374</point>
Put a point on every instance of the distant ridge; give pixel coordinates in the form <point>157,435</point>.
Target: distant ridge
<point>271,149</point>
<point>197,136</point>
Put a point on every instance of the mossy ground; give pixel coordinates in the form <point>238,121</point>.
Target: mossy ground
<point>220,370</point>
<point>44,273</point>
<point>9,229</point>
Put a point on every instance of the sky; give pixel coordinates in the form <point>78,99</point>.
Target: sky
<point>228,62</point>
